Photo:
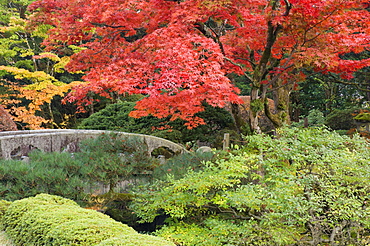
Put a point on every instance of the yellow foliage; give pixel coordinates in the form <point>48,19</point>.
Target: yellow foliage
<point>43,89</point>
<point>59,67</point>
<point>16,24</point>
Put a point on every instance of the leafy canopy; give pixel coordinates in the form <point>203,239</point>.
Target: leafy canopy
<point>178,53</point>
<point>30,79</point>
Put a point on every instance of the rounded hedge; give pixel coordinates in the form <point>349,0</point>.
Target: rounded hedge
<point>52,220</point>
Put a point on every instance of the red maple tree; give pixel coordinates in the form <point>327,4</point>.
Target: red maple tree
<point>180,53</point>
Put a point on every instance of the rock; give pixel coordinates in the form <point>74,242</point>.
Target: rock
<point>204,149</point>
<point>6,122</point>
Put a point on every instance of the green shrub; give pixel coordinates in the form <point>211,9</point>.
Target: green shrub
<point>132,240</point>
<point>53,173</point>
<point>113,117</point>
<point>341,132</point>
<point>363,117</point>
<point>4,206</point>
<point>107,159</point>
<point>177,166</point>
<point>87,231</point>
<point>303,186</point>
<point>13,216</point>
<point>112,158</point>
<point>315,118</point>
<point>341,119</point>
<point>52,220</point>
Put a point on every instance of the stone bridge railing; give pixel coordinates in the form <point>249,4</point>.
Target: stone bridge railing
<point>14,144</point>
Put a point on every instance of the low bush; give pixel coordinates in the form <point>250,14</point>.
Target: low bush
<point>302,187</point>
<point>113,158</point>
<point>315,118</point>
<point>4,206</point>
<point>106,159</point>
<point>178,166</point>
<point>52,220</point>
<point>133,240</point>
<point>52,173</point>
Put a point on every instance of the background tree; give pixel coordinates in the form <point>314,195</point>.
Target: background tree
<point>328,92</point>
<point>31,80</point>
<point>178,53</point>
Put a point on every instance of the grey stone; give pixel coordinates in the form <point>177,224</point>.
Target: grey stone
<point>21,142</point>
<point>204,149</point>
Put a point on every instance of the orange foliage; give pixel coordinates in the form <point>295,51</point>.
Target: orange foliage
<point>44,89</point>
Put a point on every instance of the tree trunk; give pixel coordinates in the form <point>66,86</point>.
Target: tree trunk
<point>254,111</point>
<point>238,119</point>
<point>281,95</point>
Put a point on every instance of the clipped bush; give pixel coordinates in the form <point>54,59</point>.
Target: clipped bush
<point>52,220</point>
<point>132,240</point>
<point>3,207</point>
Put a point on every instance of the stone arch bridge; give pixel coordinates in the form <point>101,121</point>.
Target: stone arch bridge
<point>15,144</point>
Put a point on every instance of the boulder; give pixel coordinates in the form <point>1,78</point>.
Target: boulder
<point>6,122</point>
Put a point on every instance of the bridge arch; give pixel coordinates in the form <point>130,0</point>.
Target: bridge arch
<point>14,144</point>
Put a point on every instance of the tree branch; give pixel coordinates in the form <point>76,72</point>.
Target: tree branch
<point>239,65</point>
<point>287,8</point>
<point>106,25</point>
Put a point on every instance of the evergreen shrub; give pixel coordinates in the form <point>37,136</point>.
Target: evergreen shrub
<point>179,165</point>
<point>53,173</point>
<point>4,206</point>
<point>132,240</point>
<point>341,119</point>
<point>52,220</point>
<point>112,158</point>
<point>363,117</point>
<point>116,117</point>
<point>315,118</point>
<point>106,159</point>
